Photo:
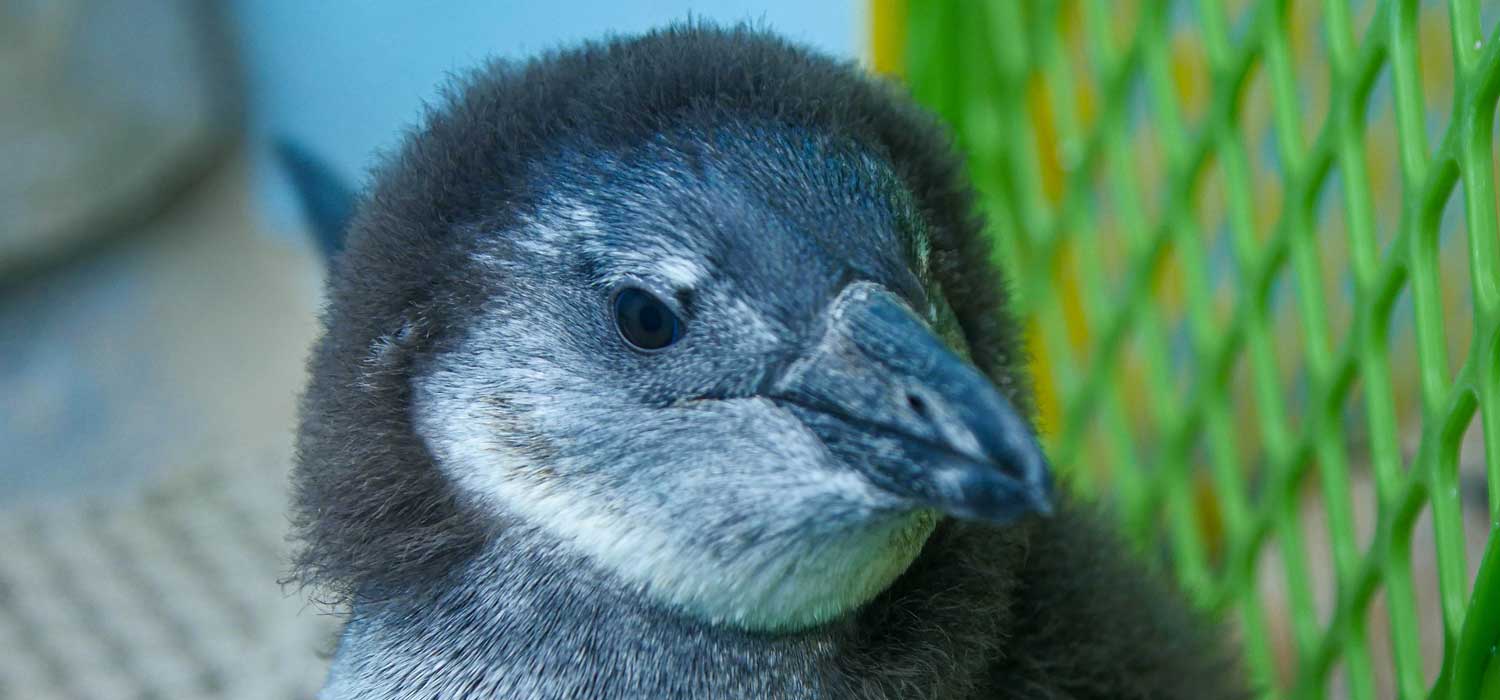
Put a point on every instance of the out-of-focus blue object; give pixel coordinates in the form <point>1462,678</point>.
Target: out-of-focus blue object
<point>110,110</point>
<point>342,79</point>
<point>327,202</point>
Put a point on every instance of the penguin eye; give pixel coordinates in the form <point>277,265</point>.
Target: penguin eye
<point>645,321</point>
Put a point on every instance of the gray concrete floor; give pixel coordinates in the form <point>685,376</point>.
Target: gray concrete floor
<point>147,403</point>
<point>167,345</point>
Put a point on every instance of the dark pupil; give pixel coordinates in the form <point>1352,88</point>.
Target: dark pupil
<point>650,318</point>
<point>644,321</point>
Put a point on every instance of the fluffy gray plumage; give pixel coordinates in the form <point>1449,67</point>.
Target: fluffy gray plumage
<point>817,492</point>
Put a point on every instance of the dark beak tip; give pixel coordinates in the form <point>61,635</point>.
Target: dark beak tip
<point>1041,503</point>
<point>994,496</point>
<point>1043,493</point>
<point>1036,498</point>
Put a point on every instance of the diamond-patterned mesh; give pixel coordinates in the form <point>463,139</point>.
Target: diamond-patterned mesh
<point>1255,245</point>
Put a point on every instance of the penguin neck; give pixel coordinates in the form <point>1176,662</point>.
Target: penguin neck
<point>527,618</point>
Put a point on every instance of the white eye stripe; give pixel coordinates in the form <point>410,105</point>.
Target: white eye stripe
<point>680,272</point>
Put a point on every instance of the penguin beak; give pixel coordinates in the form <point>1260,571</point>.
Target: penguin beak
<point>887,396</point>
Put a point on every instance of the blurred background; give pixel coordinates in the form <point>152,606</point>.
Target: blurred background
<point>1254,243</point>
<point>158,295</point>
<point>1315,457</point>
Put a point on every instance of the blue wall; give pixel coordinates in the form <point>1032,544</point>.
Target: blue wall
<point>344,77</point>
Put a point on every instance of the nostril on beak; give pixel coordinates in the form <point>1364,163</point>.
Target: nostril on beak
<point>917,404</point>
<point>971,440</point>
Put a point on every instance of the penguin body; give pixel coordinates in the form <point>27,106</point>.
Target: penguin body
<point>978,616</point>
<point>676,367</point>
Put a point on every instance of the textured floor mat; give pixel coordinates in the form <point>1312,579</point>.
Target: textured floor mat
<point>168,591</point>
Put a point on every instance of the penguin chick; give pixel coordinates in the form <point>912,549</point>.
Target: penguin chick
<point>675,366</point>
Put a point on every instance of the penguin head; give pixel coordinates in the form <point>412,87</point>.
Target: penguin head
<point>713,349</point>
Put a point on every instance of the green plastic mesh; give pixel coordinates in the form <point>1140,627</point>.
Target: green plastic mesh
<point>1255,246</point>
